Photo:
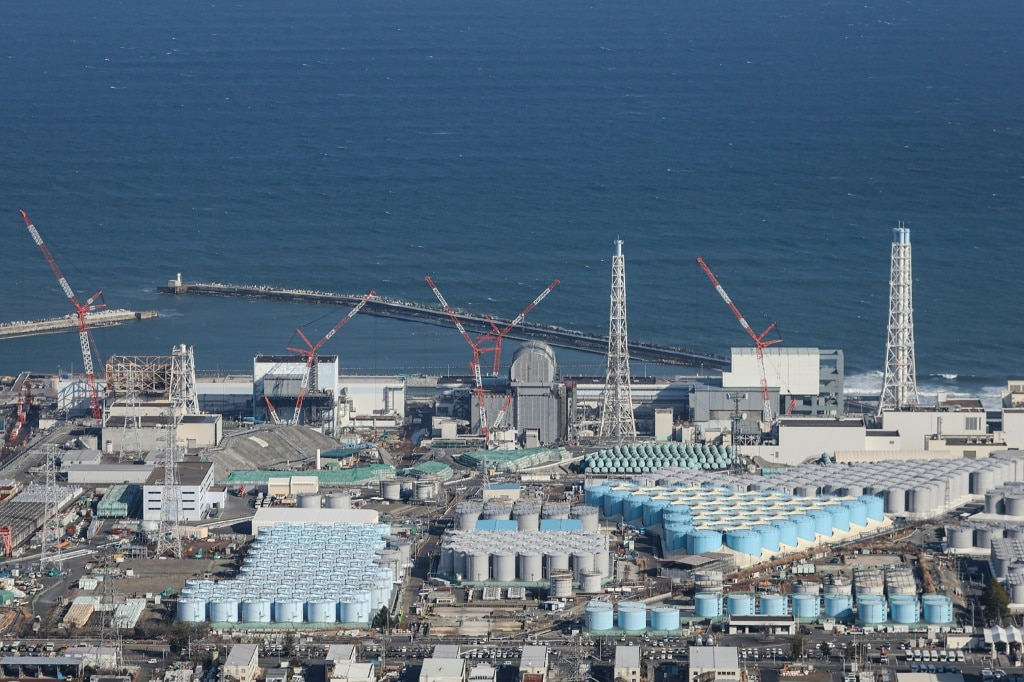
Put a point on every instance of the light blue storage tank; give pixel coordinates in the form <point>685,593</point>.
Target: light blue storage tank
<point>937,608</point>
<point>614,502</point>
<point>806,606</point>
<point>653,510</point>
<point>804,526</point>
<point>871,609</point>
<point>677,513</point>
<point>632,616</point>
<point>745,541</point>
<point>839,605</point>
<point>676,534</point>
<point>633,509</point>
<point>773,605</point>
<point>858,512</point>
<point>741,604</point>
<point>840,517</point>
<point>707,604</point>
<point>875,506</point>
<point>664,618</point>
<point>904,608</point>
<point>769,537</point>
<point>822,521</point>
<point>700,541</point>
<point>599,615</point>
<point>787,532</point>
<point>595,495</point>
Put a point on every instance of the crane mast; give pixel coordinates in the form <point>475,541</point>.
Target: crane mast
<point>81,310</point>
<point>767,413</point>
<point>310,355</point>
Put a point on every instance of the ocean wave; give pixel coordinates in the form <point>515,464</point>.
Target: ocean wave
<point>954,386</point>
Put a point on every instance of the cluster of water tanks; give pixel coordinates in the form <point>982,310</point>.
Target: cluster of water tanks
<point>917,487</point>
<point>340,500</point>
<point>526,556</point>
<point>312,573</point>
<point>632,616</point>
<point>646,458</point>
<point>697,519</point>
<point>1006,557</point>
<point>1007,500</point>
<point>871,609</point>
<point>526,513</point>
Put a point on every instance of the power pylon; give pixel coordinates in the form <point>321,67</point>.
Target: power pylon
<point>130,438</point>
<point>617,420</point>
<point>183,380</point>
<point>899,387</point>
<point>50,552</point>
<point>168,539</point>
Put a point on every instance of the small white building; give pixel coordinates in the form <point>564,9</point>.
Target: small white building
<point>195,480</point>
<point>443,670</point>
<point>347,670</point>
<point>627,664</point>
<point>710,663</point>
<point>534,662</point>
<point>242,663</point>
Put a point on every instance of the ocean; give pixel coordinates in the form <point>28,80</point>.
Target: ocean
<point>358,145</point>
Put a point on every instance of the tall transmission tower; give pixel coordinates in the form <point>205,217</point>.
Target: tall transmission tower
<point>50,551</point>
<point>183,381</point>
<point>617,420</point>
<point>168,539</point>
<point>130,437</point>
<point>899,387</point>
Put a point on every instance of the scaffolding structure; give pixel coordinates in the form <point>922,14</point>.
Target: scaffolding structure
<point>617,421</point>
<point>899,386</point>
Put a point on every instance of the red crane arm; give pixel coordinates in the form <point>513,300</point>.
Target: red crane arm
<point>451,313</point>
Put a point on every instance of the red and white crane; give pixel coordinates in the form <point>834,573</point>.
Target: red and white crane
<point>768,415</point>
<point>309,354</point>
<point>486,343</point>
<point>84,336</point>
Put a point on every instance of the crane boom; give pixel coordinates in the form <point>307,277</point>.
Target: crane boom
<point>767,414</point>
<point>499,335</point>
<point>81,310</point>
<point>310,353</point>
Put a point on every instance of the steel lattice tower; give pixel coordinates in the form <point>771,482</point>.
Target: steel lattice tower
<point>899,387</point>
<point>617,420</point>
<point>183,380</point>
<point>130,440</point>
<point>168,539</point>
<point>50,551</point>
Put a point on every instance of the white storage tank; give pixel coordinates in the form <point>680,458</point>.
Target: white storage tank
<point>322,611</point>
<point>478,567</point>
<point>588,515</point>
<point>560,585</point>
<point>390,491</point>
<point>556,561</point>
<point>590,583</point>
<point>582,561</point>
<point>288,610</point>
<point>308,501</point>
<point>505,567</point>
<point>256,610</point>
<point>191,610</point>
<point>224,610</point>
<point>339,501</point>
<point>531,567</point>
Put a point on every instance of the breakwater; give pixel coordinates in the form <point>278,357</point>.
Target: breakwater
<point>417,312</point>
<point>69,323</point>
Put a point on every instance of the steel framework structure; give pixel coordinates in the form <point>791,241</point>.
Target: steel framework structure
<point>899,385</point>
<point>617,421</point>
<point>146,374</point>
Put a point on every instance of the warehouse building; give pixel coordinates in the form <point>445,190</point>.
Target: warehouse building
<point>627,664</point>
<point>196,481</point>
<point>711,663</point>
<point>443,670</point>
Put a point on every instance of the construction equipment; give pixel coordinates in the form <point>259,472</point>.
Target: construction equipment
<point>91,304</point>
<point>500,419</point>
<point>767,413</point>
<point>310,353</point>
<point>485,343</point>
<point>6,536</point>
<point>273,412</point>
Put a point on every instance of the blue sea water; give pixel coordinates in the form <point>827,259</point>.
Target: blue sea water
<point>357,145</point>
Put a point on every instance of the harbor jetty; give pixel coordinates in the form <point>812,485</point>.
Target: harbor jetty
<point>69,323</point>
<point>417,312</point>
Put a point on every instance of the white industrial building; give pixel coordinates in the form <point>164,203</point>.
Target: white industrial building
<point>710,663</point>
<point>443,670</point>
<point>109,474</point>
<point>195,480</point>
<point>270,517</point>
<point>242,663</point>
<point>374,402</point>
<point>277,381</point>
<point>533,662</point>
<point>627,664</point>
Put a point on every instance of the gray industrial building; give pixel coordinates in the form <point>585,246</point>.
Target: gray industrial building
<point>538,400</point>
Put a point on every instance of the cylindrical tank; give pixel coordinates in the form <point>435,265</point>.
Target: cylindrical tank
<point>599,615</point>
<point>582,561</point>
<point>224,610</point>
<point>822,521</point>
<point>787,532</point>
<point>390,491</point>
<point>1014,504</point>
<point>633,508</point>
<point>632,616</point>
<point>590,582</point>
<point>904,608</point>
<point>556,561</point>
<point>256,610</point>
<point>744,540</point>
<point>707,604</point>
<point>467,514</point>
<point>806,606</point>
<point>875,507</point>
<point>603,562</point>
<point>653,512</point>
<point>982,481</point>
<point>527,516</point>
<point>613,502</point>
<point>804,587</point>
<point>895,501</point>
<point>960,537</point>
<point>339,501</point>
<point>838,605</point>
<point>937,609</point>
<point>560,585</point>
<point>983,537</point>
<point>288,610</point>
<point>804,526</point>
<point>1017,593</point>
<point>840,517</point>
<point>505,567</point>
<point>477,567</point>
<point>664,618</point>
<point>424,490</point>
<point>871,609</point>
<point>560,510</point>
<point>308,501</point>
<point>588,515</point>
<point>497,511</point>
<point>701,541</point>
<point>919,500</point>
<point>740,604</point>
<point>858,512</point>
<point>322,611</point>
<point>773,605</point>
<point>531,565</point>
<point>769,537</point>
<point>191,610</point>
